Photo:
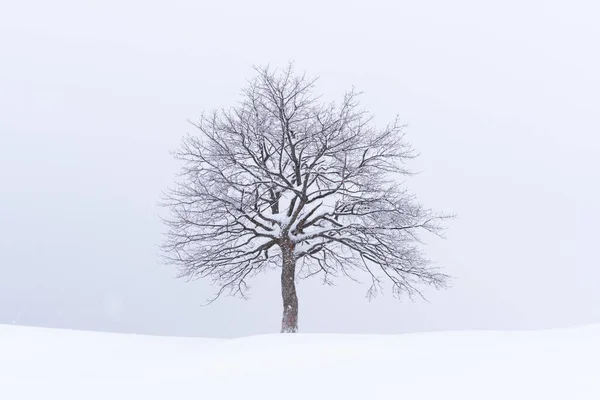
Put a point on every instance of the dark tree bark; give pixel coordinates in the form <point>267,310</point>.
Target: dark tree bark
<point>289,323</point>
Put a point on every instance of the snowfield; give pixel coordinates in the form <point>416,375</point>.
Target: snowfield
<point>37,363</point>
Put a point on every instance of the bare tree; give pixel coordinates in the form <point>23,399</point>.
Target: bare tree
<point>282,180</point>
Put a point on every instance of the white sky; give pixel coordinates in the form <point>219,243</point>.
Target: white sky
<point>501,100</point>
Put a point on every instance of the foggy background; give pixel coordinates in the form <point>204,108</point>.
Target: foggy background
<point>501,99</point>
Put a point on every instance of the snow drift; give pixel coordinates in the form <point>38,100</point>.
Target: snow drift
<point>38,363</point>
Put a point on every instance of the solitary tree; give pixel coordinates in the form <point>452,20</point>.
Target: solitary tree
<point>284,181</point>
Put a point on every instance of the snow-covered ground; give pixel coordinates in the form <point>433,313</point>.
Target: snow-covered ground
<point>46,364</point>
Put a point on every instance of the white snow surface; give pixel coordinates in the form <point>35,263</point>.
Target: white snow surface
<point>37,363</point>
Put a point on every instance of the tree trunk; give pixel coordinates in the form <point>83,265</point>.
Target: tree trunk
<point>289,323</point>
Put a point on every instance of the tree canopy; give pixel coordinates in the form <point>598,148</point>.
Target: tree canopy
<point>284,180</point>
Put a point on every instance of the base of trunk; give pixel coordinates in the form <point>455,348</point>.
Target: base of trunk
<point>289,324</point>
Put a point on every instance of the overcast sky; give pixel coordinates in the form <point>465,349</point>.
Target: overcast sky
<point>501,99</point>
